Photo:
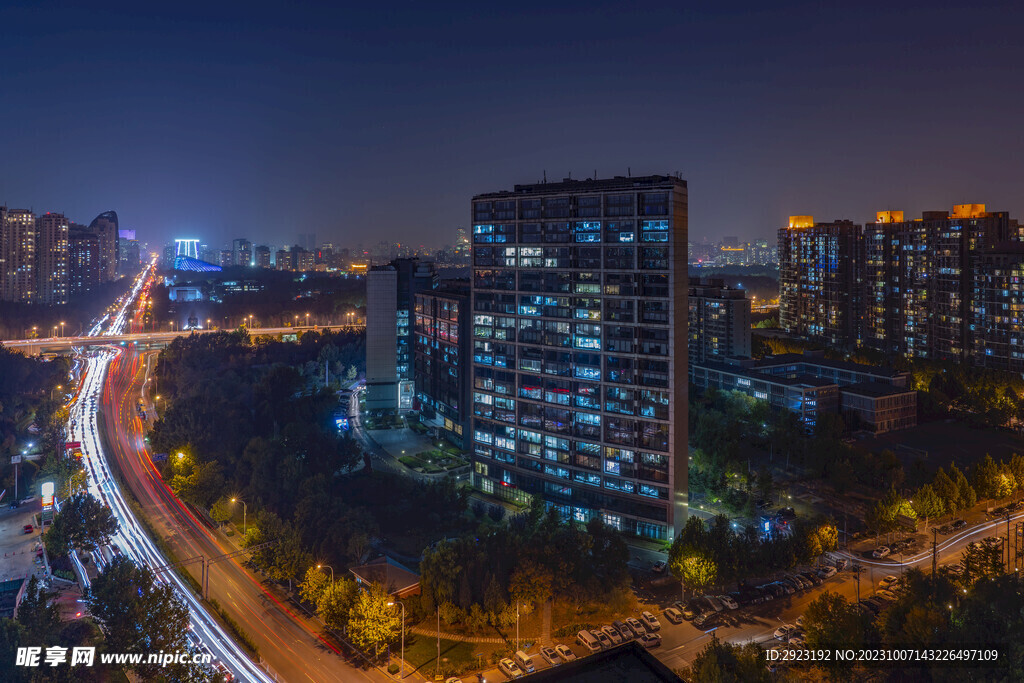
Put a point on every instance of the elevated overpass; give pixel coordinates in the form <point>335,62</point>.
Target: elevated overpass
<point>150,340</point>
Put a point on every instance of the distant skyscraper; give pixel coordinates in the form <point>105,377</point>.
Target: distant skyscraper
<point>105,226</point>
<point>84,272</point>
<point>580,350</point>
<point>820,280</point>
<point>52,258</point>
<point>17,255</point>
<point>227,258</point>
<point>307,241</point>
<point>128,253</point>
<point>241,250</point>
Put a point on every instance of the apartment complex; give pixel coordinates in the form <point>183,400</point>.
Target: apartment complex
<point>580,349</point>
<point>719,321</point>
<point>441,352</point>
<point>820,280</point>
<point>106,228</point>
<point>18,280</point>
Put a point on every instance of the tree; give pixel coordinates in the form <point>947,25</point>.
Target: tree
<point>313,584</point>
<point>336,601</point>
<point>722,662</point>
<point>374,622</point>
<point>831,621</point>
<point>222,510</point>
<point>142,616</point>
<point>201,484</point>
<point>694,570</point>
<point>82,522</point>
<point>946,490</point>
<point>985,478</point>
<point>927,503</point>
<point>530,582</point>
<point>40,618</point>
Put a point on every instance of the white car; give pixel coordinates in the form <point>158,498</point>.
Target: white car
<point>635,626</point>
<point>800,621</point>
<point>888,582</point>
<point>727,601</point>
<point>880,552</point>
<point>602,637</point>
<point>714,602</point>
<point>827,572</point>
<point>510,668</point>
<point>797,640</point>
<point>650,621</point>
<point>565,653</point>
<point>613,634</point>
<point>888,596</point>
<point>785,632</point>
<point>674,615</point>
<point>550,656</point>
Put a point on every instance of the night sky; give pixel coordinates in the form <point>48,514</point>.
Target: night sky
<point>375,120</point>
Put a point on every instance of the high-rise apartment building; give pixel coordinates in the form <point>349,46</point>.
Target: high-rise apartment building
<point>820,280</point>
<point>84,264</point>
<point>580,349</point>
<point>442,356</point>
<point>241,252</point>
<point>18,255</point>
<point>261,256</point>
<point>719,321</point>
<point>381,346</point>
<point>919,276</point>
<point>414,276</point>
<point>52,258</point>
<point>106,228</point>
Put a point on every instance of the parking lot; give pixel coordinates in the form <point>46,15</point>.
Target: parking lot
<point>19,548</point>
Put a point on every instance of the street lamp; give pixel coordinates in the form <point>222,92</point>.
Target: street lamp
<point>61,328</point>
<point>321,566</point>
<point>401,671</point>
<point>307,320</point>
<point>244,512</point>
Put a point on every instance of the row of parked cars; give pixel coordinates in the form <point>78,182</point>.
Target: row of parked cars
<point>884,596</point>
<point>643,630</point>
<point>522,663</point>
<point>703,608</point>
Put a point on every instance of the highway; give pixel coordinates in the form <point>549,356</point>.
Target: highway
<point>131,539</point>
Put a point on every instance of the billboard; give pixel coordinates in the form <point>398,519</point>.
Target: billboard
<point>47,495</point>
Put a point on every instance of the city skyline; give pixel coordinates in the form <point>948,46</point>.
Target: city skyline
<point>275,124</point>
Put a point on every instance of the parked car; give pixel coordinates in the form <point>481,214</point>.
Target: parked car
<point>623,630</point>
<point>880,552</point>
<point>549,655</point>
<point>674,615</point>
<point>588,640</point>
<point>797,640</point>
<point>659,567</point>
<point>650,640</point>
<point>613,634</point>
<point>786,588</point>
<point>888,582</point>
<point>945,529</point>
<point>565,653</point>
<point>728,601</point>
<point>690,610</point>
<point>635,626</point>
<point>602,637</point>
<point>784,632</point>
<point>812,577</point>
<point>510,668</point>
<point>766,595</point>
<point>958,525</point>
<point>27,529</point>
<point>650,621</point>
<point>827,572</point>
<point>524,662</point>
<point>886,595</point>
<point>715,604</point>
<point>800,621</point>
<point>786,514</point>
<point>877,603</point>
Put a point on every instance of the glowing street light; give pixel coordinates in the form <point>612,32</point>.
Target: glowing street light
<point>244,512</point>
<point>321,567</point>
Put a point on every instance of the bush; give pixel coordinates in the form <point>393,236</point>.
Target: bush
<point>392,669</point>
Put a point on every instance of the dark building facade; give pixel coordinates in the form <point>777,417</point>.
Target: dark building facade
<point>84,265</point>
<point>820,280</point>
<point>442,353</point>
<point>106,228</point>
<point>580,349</point>
<point>719,321</point>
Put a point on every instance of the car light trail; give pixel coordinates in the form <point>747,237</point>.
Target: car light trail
<point>204,631</point>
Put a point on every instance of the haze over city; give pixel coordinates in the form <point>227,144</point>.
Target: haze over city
<point>365,121</point>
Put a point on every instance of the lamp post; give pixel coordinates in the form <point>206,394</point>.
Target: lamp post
<point>307,320</point>
<point>321,566</point>
<point>244,512</point>
<point>62,328</point>
<point>59,386</point>
<point>401,671</point>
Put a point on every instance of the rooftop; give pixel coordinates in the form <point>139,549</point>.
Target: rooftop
<point>811,358</point>
<point>568,185</point>
<point>875,389</point>
<point>397,579</point>
<point>628,662</point>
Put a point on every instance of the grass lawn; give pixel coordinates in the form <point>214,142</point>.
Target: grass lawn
<point>421,652</point>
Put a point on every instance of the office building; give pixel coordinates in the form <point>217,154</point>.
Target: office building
<point>442,355</point>
<point>413,276</point>
<point>261,256</point>
<point>84,264</point>
<point>719,321</point>
<point>52,258</point>
<point>18,255</point>
<point>820,280</point>
<point>381,346</point>
<point>580,349</point>
<point>241,252</point>
<point>129,253</point>
<point>106,228</point>
<point>869,397</point>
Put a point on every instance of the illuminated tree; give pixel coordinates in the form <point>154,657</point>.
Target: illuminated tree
<point>694,571</point>
<point>374,623</point>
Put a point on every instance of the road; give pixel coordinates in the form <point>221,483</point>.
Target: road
<point>292,644</point>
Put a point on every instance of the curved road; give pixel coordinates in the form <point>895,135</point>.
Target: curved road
<point>293,645</point>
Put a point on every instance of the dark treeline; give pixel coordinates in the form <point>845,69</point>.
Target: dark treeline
<point>17,320</point>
